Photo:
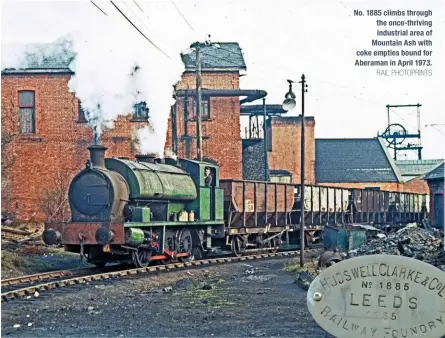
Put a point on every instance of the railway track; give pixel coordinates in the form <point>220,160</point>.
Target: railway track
<point>86,276</point>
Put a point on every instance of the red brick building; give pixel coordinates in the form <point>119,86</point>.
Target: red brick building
<point>45,136</point>
<point>284,150</point>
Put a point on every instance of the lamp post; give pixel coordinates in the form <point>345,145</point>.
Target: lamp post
<point>288,104</point>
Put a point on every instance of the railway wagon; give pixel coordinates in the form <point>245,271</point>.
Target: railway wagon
<point>332,205</point>
<point>149,209</point>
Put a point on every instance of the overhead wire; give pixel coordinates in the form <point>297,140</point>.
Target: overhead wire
<point>392,110</point>
<point>98,8</point>
<point>141,9</point>
<point>182,15</point>
<point>137,17</point>
<point>159,49</point>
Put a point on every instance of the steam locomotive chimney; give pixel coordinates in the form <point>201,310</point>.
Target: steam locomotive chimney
<point>149,158</point>
<point>97,155</point>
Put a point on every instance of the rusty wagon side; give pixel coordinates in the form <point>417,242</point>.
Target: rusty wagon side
<point>250,206</point>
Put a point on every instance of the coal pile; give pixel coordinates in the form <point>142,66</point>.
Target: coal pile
<point>418,243</point>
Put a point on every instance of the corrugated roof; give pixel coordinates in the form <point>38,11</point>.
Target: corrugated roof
<point>436,174</point>
<point>417,167</point>
<point>353,160</point>
<point>50,57</point>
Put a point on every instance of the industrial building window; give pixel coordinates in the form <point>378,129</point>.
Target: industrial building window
<point>82,117</point>
<point>140,111</point>
<point>27,112</point>
<point>205,109</point>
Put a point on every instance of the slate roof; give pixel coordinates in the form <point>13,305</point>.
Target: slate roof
<point>44,57</point>
<point>219,56</point>
<point>436,174</point>
<point>415,168</point>
<point>41,57</point>
<point>354,160</point>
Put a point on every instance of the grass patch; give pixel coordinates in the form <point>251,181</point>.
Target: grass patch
<point>294,266</point>
<point>212,299</point>
<point>12,261</point>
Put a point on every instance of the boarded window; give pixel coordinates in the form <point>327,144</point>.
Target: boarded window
<point>140,111</point>
<point>205,109</point>
<point>27,112</point>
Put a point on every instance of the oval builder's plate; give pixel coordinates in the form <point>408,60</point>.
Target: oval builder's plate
<point>379,296</point>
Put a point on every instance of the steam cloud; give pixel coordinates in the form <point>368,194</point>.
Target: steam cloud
<point>115,67</point>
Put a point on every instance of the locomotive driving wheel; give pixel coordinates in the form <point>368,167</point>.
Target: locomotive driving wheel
<point>185,245</point>
<point>141,258</point>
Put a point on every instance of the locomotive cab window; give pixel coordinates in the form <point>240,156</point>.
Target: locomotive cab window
<point>27,112</point>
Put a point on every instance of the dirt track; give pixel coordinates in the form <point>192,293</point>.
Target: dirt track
<point>256,299</point>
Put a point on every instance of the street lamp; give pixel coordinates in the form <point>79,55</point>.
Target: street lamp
<point>288,104</point>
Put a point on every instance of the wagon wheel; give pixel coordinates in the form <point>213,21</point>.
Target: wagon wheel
<point>141,258</point>
<point>274,244</point>
<point>238,246</point>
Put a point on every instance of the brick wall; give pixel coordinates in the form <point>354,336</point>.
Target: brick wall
<point>285,135</point>
<point>416,185</point>
<point>221,133</point>
<point>388,186</point>
<point>59,144</point>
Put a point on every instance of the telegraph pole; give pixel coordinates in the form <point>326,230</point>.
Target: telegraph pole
<point>198,99</point>
<point>303,90</point>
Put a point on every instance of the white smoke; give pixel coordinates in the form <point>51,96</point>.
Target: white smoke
<point>144,139</point>
<point>115,67</point>
<point>170,154</point>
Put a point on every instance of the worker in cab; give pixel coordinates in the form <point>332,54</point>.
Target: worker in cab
<point>208,177</point>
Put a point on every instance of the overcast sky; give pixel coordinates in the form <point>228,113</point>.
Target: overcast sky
<point>281,40</point>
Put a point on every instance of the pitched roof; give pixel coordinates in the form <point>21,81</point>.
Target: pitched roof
<point>417,167</point>
<point>39,57</point>
<point>436,174</point>
<point>218,56</point>
<point>354,160</point>
<point>47,57</point>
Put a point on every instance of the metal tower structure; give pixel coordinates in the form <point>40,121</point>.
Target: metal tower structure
<point>396,134</point>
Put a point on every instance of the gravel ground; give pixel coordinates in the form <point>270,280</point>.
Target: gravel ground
<point>252,299</point>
